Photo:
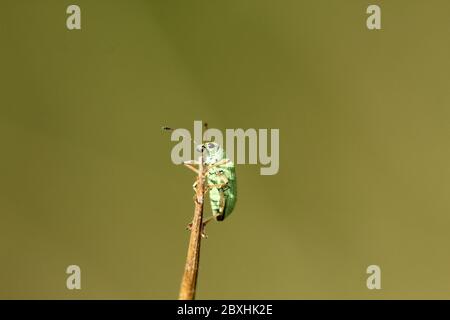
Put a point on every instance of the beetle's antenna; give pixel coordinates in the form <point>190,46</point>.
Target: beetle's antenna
<point>172,129</point>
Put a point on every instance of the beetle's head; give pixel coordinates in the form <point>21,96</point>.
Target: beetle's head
<point>213,152</point>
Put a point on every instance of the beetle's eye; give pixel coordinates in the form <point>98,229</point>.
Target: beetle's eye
<point>210,145</point>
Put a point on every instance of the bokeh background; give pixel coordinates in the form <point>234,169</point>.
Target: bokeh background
<point>86,176</point>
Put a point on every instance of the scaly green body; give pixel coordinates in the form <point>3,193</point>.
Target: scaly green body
<point>220,180</point>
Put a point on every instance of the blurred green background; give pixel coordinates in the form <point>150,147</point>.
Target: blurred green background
<point>86,176</point>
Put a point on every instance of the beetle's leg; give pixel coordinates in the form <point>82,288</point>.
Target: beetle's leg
<point>221,203</point>
<point>205,222</point>
<point>218,186</point>
<point>213,217</point>
<point>194,162</point>
<point>219,163</point>
<point>206,189</point>
<point>191,165</point>
<point>194,186</point>
<point>189,226</point>
<point>192,168</point>
<point>224,180</point>
<point>219,215</point>
<point>195,199</point>
<point>216,215</point>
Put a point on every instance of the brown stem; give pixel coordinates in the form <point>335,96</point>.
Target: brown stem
<point>189,281</point>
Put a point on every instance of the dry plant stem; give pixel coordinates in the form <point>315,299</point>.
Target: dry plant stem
<point>189,281</point>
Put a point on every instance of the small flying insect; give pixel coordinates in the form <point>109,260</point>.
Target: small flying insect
<point>220,177</point>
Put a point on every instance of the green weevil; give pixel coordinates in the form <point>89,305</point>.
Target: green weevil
<point>220,181</point>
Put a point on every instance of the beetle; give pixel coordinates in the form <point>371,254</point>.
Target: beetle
<point>220,181</point>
